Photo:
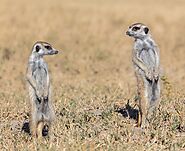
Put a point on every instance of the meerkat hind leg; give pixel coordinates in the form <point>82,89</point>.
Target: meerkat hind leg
<point>33,128</point>
<point>143,102</point>
<point>40,129</point>
<point>143,109</point>
<point>33,125</point>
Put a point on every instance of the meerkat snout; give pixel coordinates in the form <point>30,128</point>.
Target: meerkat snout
<point>56,51</point>
<point>128,33</point>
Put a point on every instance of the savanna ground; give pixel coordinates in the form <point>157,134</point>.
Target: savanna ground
<point>92,77</point>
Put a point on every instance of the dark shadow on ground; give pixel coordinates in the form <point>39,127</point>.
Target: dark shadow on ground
<point>128,111</point>
<point>26,127</point>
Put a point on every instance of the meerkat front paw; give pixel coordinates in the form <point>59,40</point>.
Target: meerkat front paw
<point>149,75</point>
<point>39,99</point>
<point>156,75</point>
<point>38,96</point>
<point>45,98</point>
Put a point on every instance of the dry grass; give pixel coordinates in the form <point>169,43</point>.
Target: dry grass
<point>92,78</point>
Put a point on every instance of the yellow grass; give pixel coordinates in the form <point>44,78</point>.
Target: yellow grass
<point>92,77</point>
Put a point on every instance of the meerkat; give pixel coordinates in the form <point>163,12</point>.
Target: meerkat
<point>42,112</point>
<point>146,62</point>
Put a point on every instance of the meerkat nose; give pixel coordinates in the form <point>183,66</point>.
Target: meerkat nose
<point>56,52</point>
<point>127,33</point>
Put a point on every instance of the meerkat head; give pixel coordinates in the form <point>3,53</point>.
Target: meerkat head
<point>138,30</point>
<point>43,48</point>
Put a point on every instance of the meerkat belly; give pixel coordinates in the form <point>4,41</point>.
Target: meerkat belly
<point>148,57</point>
<point>41,79</point>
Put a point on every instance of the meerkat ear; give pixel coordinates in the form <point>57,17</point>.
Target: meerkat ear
<point>146,30</point>
<point>37,48</point>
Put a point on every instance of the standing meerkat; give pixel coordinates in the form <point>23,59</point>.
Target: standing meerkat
<point>42,113</point>
<point>145,58</point>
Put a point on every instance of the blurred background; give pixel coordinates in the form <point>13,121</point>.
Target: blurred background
<point>91,37</point>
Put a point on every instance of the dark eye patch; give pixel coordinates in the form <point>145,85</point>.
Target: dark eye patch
<point>135,28</point>
<point>48,47</point>
<point>37,48</point>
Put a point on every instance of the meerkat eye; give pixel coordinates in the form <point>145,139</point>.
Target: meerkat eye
<point>146,30</point>
<point>37,48</point>
<point>48,47</point>
<point>135,28</point>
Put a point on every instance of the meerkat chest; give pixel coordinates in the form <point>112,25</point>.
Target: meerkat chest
<point>41,73</point>
<point>146,53</point>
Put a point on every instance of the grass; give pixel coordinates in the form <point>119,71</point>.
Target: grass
<point>93,80</point>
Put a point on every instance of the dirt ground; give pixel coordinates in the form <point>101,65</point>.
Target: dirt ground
<point>92,77</point>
